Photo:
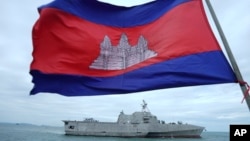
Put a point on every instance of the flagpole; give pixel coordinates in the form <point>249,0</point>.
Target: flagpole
<point>229,52</point>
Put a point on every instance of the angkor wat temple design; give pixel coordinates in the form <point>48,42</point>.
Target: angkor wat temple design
<point>123,55</point>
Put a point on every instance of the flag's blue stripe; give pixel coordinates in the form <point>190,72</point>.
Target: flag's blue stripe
<point>197,69</point>
<point>111,15</point>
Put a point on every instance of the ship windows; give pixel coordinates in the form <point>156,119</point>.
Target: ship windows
<point>146,119</point>
<point>71,127</point>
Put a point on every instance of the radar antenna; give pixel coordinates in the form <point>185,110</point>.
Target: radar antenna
<point>144,106</point>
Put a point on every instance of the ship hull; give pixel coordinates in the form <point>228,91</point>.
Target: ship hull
<point>179,134</point>
<point>176,134</point>
<point>110,134</point>
<point>109,129</point>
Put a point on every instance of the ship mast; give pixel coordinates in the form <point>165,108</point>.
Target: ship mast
<point>144,106</point>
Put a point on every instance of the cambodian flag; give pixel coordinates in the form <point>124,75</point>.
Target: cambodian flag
<point>86,47</point>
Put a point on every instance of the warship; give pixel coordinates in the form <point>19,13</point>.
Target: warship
<point>139,124</point>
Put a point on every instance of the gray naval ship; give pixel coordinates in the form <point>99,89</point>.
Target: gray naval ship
<point>138,124</point>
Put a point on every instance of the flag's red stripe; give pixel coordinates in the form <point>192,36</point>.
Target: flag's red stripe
<point>66,44</point>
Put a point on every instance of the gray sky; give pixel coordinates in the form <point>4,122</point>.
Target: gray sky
<point>214,107</point>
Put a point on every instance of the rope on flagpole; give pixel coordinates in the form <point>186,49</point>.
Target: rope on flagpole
<point>246,93</point>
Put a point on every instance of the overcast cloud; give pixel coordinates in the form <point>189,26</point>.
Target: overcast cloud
<point>214,107</point>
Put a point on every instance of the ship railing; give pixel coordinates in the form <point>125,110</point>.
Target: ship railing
<point>90,120</point>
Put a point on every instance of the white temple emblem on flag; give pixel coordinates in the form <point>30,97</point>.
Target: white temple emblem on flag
<point>123,55</point>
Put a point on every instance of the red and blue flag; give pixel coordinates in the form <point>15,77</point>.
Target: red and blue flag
<point>87,47</point>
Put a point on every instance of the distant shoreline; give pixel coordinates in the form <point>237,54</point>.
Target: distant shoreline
<point>27,124</point>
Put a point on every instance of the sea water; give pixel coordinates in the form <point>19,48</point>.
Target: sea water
<point>26,132</point>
